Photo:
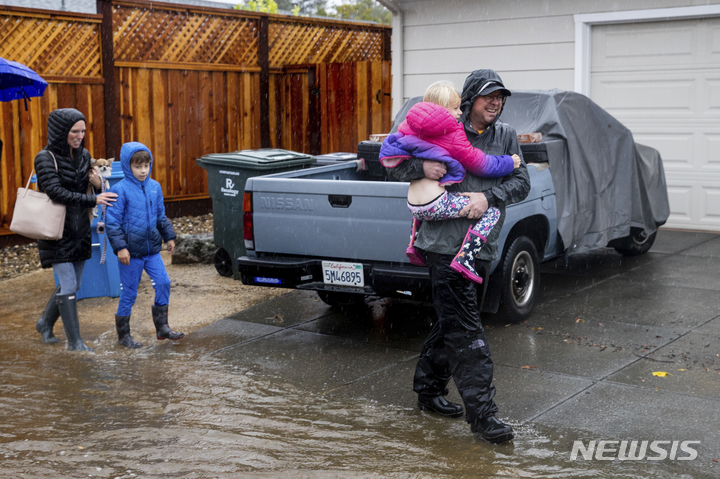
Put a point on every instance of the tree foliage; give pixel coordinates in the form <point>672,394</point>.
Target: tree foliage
<point>265,6</point>
<point>364,10</point>
<point>361,10</point>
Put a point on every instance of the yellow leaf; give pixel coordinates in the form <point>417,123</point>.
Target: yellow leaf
<point>660,374</point>
<point>681,370</point>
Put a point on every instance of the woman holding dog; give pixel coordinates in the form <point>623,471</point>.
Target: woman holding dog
<point>63,173</point>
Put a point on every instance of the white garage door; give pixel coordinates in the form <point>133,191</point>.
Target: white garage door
<point>662,80</point>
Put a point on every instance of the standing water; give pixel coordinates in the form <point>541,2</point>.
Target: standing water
<point>178,410</point>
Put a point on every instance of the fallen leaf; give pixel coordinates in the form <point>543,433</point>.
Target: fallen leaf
<point>529,367</point>
<point>681,370</point>
<point>578,320</point>
<point>715,460</point>
<point>660,374</point>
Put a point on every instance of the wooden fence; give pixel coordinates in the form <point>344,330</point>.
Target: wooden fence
<point>187,82</point>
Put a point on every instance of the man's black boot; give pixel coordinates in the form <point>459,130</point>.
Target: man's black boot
<point>47,321</point>
<point>160,318</point>
<point>122,326</point>
<point>67,304</point>
<point>439,405</point>
<point>493,430</point>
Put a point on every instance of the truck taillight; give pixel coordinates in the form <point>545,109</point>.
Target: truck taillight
<point>247,221</point>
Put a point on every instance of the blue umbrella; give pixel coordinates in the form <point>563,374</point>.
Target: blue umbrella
<point>18,81</point>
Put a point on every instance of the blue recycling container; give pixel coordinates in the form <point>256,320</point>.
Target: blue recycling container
<point>99,280</point>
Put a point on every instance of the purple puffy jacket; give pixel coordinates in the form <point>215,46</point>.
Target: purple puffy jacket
<point>430,132</point>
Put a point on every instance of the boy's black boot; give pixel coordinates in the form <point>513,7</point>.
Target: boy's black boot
<point>122,326</point>
<point>67,304</point>
<point>493,430</point>
<point>160,318</point>
<point>47,321</point>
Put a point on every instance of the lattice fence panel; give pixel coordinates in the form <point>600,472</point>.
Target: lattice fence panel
<point>295,43</point>
<point>142,34</point>
<point>52,46</point>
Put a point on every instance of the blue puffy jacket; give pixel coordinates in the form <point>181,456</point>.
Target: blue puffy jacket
<point>137,220</point>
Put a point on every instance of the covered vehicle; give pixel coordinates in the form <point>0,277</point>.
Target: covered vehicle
<point>607,187</point>
<point>591,186</point>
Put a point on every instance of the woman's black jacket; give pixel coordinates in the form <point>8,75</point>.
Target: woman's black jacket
<point>67,186</point>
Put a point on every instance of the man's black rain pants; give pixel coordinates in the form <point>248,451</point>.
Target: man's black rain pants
<point>457,347</point>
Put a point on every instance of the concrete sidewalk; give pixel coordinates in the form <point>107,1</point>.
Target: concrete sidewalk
<point>581,366</point>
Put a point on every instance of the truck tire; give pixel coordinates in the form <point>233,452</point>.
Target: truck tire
<point>340,300</point>
<point>223,263</point>
<point>520,280</point>
<point>636,244</point>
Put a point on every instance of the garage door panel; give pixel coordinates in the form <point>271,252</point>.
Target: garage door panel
<point>713,86</point>
<point>712,152</point>
<point>626,45</point>
<point>714,43</point>
<point>677,148</point>
<point>616,94</point>
<point>680,197</point>
<point>712,204</point>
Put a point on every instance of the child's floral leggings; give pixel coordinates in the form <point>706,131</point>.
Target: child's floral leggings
<point>448,206</point>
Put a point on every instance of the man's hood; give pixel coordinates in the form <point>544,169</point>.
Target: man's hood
<point>480,82</point>
<point>60,122</point>
<point>126,152</point>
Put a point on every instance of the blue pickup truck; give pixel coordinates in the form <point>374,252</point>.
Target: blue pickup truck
<point>342,229</point>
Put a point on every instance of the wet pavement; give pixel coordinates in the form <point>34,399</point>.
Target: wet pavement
<point>293,388</point>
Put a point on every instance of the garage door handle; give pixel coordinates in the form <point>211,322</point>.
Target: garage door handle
<point>340,201</point>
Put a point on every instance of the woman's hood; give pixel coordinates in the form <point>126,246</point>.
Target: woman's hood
<point>60,122</point>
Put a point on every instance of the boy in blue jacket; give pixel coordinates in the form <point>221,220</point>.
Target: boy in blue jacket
<point>136,228</point>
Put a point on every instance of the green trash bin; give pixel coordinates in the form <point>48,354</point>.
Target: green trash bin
<point>227,174</point>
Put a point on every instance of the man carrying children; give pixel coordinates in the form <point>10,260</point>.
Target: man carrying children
<point>457,346</point>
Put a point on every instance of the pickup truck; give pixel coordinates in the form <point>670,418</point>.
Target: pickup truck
<point>342,229</point>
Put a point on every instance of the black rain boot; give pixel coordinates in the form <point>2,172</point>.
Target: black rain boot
<point>67,304</point>
<point>160,318</point>
<point>439,405</point>
<point>493,430</point>
<point>464,261</point>
<point>47,321</point>
<point>122,326</point>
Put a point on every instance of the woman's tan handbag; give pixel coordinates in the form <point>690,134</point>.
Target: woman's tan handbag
<point>36,216</point>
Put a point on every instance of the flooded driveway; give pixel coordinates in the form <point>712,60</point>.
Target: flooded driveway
<point>292,388</point>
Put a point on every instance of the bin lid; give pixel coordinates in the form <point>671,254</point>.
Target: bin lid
<point>262,159</point>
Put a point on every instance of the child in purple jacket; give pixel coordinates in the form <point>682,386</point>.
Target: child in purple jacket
<point>431,131</point>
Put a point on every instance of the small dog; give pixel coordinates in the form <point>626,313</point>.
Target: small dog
<point>103,168</point>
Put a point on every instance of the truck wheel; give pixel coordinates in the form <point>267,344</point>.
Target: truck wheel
<point>520,280</point>
<point>636,244</point>
<point>341,300</point>
<point>223,263</point>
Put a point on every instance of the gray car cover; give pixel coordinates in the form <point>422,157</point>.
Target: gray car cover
<point>605,183</point>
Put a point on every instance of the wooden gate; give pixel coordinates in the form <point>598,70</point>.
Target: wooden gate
<point>331,107</point>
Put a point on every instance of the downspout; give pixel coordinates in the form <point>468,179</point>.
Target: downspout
<point>398,51</point>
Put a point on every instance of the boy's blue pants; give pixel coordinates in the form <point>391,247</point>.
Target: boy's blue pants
<point>130,279</point>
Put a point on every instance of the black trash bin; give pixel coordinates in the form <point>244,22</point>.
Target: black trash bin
<point>227,174</point>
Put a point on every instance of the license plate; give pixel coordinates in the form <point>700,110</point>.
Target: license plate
<point>343,274</point>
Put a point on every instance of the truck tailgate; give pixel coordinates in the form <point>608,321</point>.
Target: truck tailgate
<point>357,220</point>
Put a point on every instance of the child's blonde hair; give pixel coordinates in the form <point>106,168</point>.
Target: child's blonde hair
<point>442,93</point>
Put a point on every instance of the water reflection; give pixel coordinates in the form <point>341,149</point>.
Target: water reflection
<point>167,411</point>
